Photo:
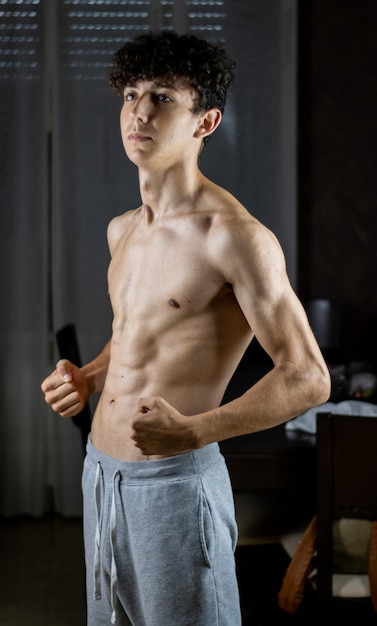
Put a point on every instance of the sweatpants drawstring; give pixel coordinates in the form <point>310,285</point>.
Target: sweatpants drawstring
<point>97,544</point>
<point>113,529</point>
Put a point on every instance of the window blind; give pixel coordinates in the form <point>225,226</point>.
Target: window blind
<point>21,40</point>
<point>90,32</point>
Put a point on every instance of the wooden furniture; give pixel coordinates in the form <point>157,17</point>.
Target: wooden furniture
<point>346,489</point>
<point>273,478</point>
<point>272,459</point>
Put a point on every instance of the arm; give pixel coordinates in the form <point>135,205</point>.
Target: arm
<point>299,378</point>
<point>69,387</point>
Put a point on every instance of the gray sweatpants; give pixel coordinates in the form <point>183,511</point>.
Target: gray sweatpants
<point>159,541</point>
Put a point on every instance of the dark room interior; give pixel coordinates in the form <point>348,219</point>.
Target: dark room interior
<point>329,236</point>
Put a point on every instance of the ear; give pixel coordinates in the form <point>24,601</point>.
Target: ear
<point>208,122</point>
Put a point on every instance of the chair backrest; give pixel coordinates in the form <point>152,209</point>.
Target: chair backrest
<point>346,486</point>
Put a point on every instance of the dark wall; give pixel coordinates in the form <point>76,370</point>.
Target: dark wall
<point>337,195</point>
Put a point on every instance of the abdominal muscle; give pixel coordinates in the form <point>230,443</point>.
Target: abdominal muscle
<point>181,374</point>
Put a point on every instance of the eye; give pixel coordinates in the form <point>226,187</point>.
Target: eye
<point>162,97</point>
<point>128,96</point>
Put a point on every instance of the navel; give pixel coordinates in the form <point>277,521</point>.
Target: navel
<point>174,304</point>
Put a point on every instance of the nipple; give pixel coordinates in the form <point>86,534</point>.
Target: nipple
<point>174,304</point>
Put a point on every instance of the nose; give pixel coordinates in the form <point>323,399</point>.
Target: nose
<point>142,109</point>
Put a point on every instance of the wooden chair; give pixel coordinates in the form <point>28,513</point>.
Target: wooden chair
<point>346,490</point>
<point>346,559</point>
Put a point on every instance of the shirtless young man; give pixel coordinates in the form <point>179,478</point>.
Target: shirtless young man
<point>193,278</point>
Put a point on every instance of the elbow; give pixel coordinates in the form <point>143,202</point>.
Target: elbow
<point>318,387</point>
<point>309,383</point>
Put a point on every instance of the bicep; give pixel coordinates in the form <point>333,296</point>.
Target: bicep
<point>266,298</point>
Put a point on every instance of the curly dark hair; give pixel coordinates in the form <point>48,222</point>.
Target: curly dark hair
<point>204,67</point>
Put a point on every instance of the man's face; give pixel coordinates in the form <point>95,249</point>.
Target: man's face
<point>157,124</point>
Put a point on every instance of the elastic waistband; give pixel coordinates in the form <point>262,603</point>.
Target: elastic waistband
<point>187,464</point>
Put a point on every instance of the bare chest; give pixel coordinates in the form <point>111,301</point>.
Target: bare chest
<point>162,269</point>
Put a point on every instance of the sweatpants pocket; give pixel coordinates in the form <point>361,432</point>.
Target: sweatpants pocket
<point>206,529</point>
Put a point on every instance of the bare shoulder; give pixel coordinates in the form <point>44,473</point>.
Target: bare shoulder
<point>118,226</point>
<point>250,258</point>
<point>240,244</point>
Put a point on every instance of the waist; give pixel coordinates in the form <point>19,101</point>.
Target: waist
<point>180,465</point>
<point>120,402</point>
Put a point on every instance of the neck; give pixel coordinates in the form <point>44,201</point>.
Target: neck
<point>170,191</point>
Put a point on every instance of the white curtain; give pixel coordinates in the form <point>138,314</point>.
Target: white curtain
<point>63,176</point>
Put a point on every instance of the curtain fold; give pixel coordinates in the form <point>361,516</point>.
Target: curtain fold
<point>24,311</point>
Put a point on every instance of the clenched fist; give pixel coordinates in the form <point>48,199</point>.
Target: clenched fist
<point>66,389</point>
<point>159,429</point>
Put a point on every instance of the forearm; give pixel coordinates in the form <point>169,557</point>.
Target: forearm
<point>279,396</point>
<point>95,371</point>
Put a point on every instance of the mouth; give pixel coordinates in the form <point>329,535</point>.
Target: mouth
<point>138,137</point>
